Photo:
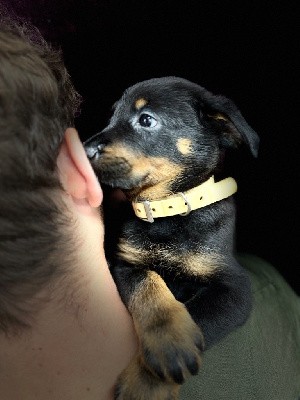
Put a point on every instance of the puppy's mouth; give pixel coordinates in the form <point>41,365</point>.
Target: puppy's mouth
<point>119,173</point>
<point>123,170</point>
<point>139,175</point>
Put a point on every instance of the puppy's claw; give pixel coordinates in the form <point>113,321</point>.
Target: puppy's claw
<point>199,342</point>
<point>137,383</point>
<point>177,373</point>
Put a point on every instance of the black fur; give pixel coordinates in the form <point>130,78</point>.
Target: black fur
<point>219,300</point>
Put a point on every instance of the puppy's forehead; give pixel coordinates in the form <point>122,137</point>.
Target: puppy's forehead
<point>158,94</point>
<point>154,97</point>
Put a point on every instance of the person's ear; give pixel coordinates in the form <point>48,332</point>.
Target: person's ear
<point>76,173</point>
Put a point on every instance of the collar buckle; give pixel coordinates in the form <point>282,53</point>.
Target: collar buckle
<point>147,207</point>
<point>189,207</point>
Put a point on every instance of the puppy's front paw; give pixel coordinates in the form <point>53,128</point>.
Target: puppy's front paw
<point>138,383</point>
<point>171,347</point>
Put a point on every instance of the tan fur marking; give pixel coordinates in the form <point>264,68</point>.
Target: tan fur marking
<point>118,150</point>
<point>130,253</point>
<point>218,116</point>
<point>140,103</point>
<point>153,288</point>
<point>159,172</point>
<point>163,322</point>
<point>163,174</point>
<point>162,307</point>
<point>197,264</point>
<point>184,146</point>
<point>201,264</point>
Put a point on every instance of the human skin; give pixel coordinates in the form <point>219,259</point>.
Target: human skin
<point>76,349</point>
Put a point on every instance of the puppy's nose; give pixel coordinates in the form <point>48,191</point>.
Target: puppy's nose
<point>92,151</point>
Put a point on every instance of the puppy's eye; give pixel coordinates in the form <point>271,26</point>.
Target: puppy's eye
<point>147,121</point>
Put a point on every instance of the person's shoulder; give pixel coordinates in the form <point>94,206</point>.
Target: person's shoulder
<point>261,359</point>
<point>269,284</point>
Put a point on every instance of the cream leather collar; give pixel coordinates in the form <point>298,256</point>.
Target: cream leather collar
<point>184,202</point>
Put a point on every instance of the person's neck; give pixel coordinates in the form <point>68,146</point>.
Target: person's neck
<point>81,339</point>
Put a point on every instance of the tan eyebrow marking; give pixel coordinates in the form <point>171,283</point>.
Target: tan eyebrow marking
<point>184,145</point>
<point>141,102</point>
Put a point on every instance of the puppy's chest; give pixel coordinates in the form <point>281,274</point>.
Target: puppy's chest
<point>169,255</point>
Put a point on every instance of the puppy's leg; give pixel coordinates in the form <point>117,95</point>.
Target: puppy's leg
<point>170,341</point>
<point>224,305</point>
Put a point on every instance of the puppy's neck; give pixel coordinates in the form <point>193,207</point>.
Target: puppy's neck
<point>165,188</point>
<point>183,203</point>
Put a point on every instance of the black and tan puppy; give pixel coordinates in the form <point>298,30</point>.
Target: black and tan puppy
<point>175,267</point>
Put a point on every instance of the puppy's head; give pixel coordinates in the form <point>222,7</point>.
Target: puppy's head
<point>166,135</point>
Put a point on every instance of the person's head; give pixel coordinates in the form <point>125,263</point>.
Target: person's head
<point>41,169</point>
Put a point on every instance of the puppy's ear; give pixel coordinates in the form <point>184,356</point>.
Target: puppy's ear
<point>233,127</point>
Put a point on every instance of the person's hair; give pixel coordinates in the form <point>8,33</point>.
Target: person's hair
<point>37,103</point>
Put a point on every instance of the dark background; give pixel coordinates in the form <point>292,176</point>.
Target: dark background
<point>246,51</point>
